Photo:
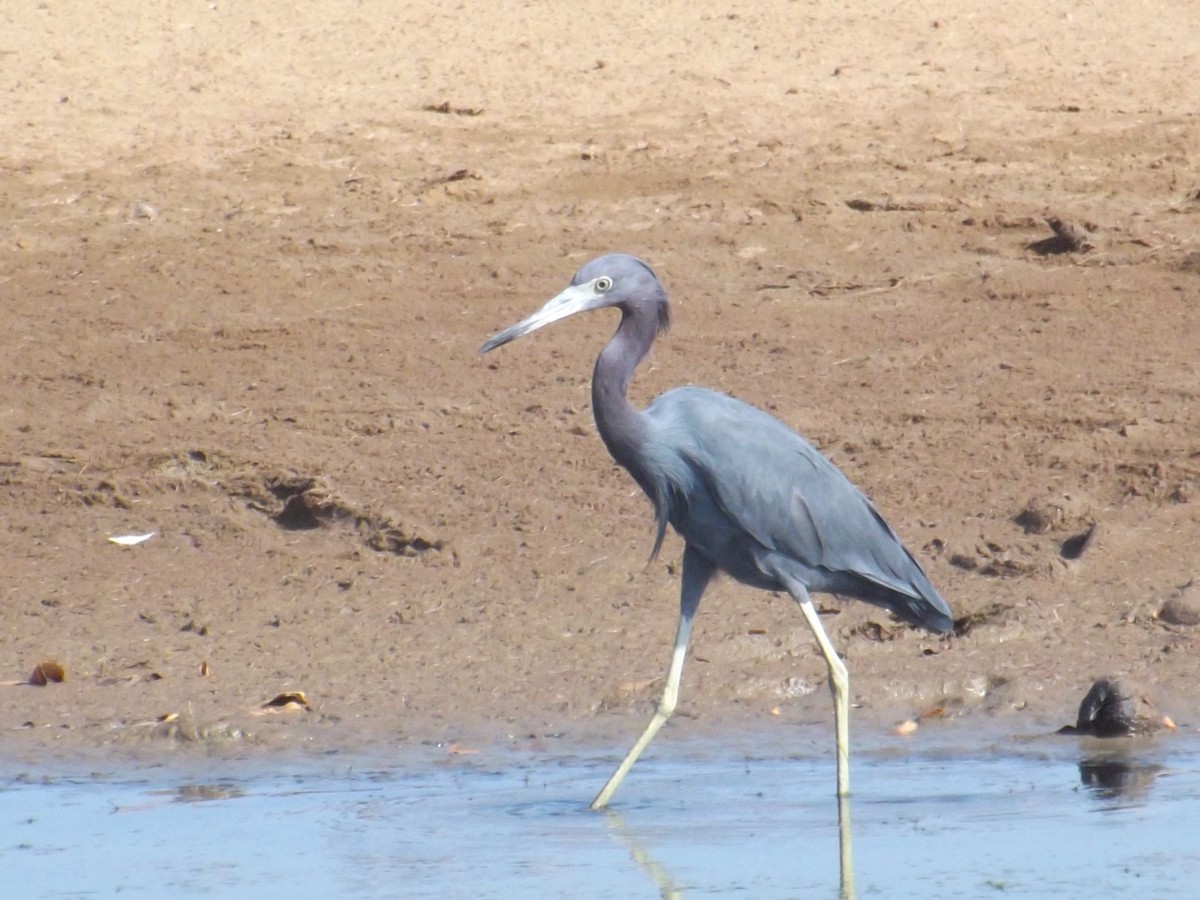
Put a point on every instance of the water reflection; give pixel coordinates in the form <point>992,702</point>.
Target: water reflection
<point>1116,778</point>
<point>668,887</point>
<point>929,822</point>
<point>845,849</point>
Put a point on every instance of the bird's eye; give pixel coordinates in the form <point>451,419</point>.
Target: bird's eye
<point>603,285</point>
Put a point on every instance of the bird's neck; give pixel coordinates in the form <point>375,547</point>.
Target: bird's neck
<point>621,425</point>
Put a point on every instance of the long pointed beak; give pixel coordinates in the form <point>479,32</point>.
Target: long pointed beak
<point>577,298</point>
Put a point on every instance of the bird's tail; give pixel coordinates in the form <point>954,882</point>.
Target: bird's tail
<point>921,605</point>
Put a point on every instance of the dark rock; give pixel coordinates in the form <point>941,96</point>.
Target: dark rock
<point>1111,709</point>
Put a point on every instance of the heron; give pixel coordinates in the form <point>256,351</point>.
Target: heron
<point>748,495</point>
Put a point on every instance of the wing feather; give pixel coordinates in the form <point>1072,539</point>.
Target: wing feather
<point>775,487</point>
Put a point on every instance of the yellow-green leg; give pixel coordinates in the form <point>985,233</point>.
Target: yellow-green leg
<point>839,684</point>
<point>697,572</point>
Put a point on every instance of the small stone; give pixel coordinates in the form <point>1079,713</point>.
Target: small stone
<point>1113,709</point>
<point>143,210</point>
<point>1182,609</point>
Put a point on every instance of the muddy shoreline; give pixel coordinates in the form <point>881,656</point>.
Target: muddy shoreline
<point>243,265</point>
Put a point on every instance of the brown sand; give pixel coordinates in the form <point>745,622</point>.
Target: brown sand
<point>246,258</point>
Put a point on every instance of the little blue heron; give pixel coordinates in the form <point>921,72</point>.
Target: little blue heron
<point>748,495</point>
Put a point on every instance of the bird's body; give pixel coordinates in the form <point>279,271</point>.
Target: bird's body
<point>790,510</point>
<point>748,495</point>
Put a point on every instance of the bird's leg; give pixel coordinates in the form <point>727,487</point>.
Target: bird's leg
<point>839,684</point>
<point>697,572</point>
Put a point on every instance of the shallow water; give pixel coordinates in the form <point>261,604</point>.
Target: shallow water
<point>751,818</point>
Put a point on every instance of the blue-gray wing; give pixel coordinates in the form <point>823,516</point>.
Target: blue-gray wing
<point>790,505</point>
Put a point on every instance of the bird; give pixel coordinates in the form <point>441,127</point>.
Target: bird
<point>749,496</point>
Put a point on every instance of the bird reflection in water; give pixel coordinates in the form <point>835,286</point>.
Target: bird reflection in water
<point>669,889</point>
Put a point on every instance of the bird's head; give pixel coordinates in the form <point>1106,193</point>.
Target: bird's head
<point>616,280</point>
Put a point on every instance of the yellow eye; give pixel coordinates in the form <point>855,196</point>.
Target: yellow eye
<point>603,285</point>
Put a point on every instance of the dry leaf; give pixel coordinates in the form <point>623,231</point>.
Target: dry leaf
<point>168,717</point>
<point>288,697</point>
<point>46,672</point>
<point>204,668</point>
<point>1169,723</point>
<point>633,687</point>
<point>775,711</point>
<point>288,701</point>
<point>905,728</point>
<point>459,750</point>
